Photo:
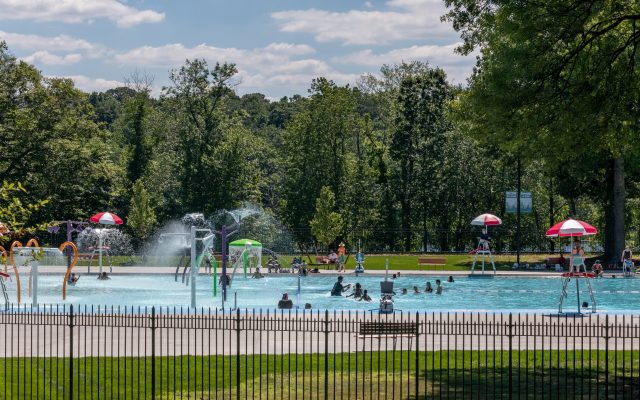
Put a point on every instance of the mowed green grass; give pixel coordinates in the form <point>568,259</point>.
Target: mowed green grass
<point>446,374</point>
<point>454,262</point>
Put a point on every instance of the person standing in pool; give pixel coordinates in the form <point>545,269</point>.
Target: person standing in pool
<point>338,288</point>
<point>365,296</point>
<point>429,288</point>
<point>438,286</point>
<point>357,292</point>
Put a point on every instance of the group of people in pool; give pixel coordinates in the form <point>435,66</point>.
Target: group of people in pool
<point>429,288</point>
<point>73,278</point>
<point>357,292</point>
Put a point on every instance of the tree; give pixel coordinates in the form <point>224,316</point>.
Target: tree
<point>326,224</point>
<point>559,80</point>
<point>142,218</point>
<point>196,96</point>
<point>14,214</point>
<point>53,144</point>
<point>417,145</point>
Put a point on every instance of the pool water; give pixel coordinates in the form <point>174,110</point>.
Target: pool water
<point>539,294</point>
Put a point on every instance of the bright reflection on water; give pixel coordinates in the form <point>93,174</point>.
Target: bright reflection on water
<point>465,294</point>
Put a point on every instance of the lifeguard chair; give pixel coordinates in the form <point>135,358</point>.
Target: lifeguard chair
<point>573,228</point>
<point>484,245</point>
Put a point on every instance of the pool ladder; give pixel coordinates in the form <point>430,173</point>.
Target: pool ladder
<point>3,287</point>
<point>563,295</point>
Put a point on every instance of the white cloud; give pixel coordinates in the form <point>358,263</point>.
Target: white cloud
<point>92,84</point>
<point>77,11</point>
<point>457,67</point>
<point>405,19</point>
<point>54,44</point>
<point>275,65</point>
<point>46,58</point>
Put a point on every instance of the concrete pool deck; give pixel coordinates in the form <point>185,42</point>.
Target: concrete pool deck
<point>156,270</point>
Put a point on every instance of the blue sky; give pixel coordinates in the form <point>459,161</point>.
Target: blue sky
<point>278,46</point>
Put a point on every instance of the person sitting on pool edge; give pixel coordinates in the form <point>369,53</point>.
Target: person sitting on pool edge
<point>285,302</point>
<point>429,288</point>
<point>365,296</point>
<point>438,286</point>
<point>338,288</point>
<point>597,269</point>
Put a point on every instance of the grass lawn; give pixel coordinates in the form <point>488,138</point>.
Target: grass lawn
<point>454,262</point>
<point>556,374</point>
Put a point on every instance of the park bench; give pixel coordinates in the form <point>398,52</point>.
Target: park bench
<point>380,329</point>
<point>430,261</point>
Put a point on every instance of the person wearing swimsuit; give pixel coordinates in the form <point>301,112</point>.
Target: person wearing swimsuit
<point>627,262</point>
<point>577,258</point>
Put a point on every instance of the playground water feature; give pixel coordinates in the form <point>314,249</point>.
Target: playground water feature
<point>517,294</point>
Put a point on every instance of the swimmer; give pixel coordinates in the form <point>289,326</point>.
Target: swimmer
<point>257,274</point>
<point>438,286</point>
<point>339,288</point>
<point>450,279</point>
<point>73,278</point>
<point>429,288</point>
<point>365,296</point>
<point>285,302</point>
<point>103,276</point>
<point>404,290</point>
<point>415,290</point>
<point>307,306</point>
<point>394,276</point>
<point>357,292</point>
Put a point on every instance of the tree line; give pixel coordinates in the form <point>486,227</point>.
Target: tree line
<point>401,160</point>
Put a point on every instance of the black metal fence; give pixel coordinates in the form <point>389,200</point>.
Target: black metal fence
<point>112,352</point>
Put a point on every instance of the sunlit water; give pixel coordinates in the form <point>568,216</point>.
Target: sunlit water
<point>540,294</point>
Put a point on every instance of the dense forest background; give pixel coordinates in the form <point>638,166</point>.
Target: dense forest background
<point>402,160</point>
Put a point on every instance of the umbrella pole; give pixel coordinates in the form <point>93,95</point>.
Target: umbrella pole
<point>100,253</point>
<point>578,293</point>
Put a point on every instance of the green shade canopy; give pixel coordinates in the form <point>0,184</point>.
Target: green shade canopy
<point>243,242</point>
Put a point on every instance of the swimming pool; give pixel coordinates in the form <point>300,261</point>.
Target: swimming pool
<point>497,293</point>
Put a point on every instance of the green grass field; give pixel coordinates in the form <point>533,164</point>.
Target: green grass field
<point>459,374</point>
<point>455,262</point>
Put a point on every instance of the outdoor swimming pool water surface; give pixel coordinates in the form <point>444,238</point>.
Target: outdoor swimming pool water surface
<point>494,293</point>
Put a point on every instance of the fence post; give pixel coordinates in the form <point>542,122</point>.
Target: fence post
<point>153,352</point>
<point>238,353</point>
<point>510,356</point>
<point>418,353</point>
<point>606,357</point>
<point>71,352</point>
<point>326,354</point>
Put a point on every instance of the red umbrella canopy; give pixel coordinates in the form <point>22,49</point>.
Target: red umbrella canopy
<point>486,220</point>
<point>106,218</point>
<point>571,227</point>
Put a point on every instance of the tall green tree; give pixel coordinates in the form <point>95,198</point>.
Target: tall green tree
<point>558,79</point>
<point>417,146</point>
<point>326,224</point>
<point>142,217</point>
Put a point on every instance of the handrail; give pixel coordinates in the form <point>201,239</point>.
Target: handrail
<point>15,269</point>
<point>73,264</point>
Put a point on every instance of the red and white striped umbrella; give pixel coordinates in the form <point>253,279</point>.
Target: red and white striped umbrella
<point>106,218</point>
<point>486,220</point>
<point>571,227</point>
